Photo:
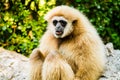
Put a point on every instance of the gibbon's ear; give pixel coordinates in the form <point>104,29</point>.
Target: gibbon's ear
<point>74,22</point>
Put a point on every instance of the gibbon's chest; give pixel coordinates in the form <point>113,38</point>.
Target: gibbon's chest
<point>69,53</point>
<point>66,48</point>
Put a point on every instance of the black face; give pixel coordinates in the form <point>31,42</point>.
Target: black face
<point>59,26</point>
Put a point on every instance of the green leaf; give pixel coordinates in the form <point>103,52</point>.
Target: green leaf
<point>4,28</point>
<point>78,0</point>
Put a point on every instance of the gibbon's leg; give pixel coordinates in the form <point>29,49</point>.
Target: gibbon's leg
<point>88,70</point>
<point>36,61</point>
<point>84,75</point>
<point>56,68</point>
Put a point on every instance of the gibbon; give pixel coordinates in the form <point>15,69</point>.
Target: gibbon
<point>70,49</point>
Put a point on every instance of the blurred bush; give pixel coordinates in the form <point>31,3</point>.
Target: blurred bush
<point>22,23</point>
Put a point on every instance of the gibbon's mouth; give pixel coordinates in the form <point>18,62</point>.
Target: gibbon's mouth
<point>59,32</point>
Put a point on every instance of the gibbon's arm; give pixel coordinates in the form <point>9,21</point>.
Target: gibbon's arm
<point>36,62</point>
<point>48,43</point>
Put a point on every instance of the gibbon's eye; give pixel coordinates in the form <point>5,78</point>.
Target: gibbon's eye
<point>55,22</point>
<point>63,23</point>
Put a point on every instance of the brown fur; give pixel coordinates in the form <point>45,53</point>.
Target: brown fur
<point>36,62</point>
<point>82,49</point>
<point>56,68</point>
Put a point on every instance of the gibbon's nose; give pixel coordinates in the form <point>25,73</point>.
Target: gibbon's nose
<point>59,30</point>
<point>58,27</point>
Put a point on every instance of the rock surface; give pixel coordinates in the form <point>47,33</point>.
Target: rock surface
<point>14,66</point>
<point>112,67</point>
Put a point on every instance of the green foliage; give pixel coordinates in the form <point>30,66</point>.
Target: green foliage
<point>22,24</point>
<point>104,15</point>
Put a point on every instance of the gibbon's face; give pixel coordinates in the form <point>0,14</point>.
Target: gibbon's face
<point>61,27</point>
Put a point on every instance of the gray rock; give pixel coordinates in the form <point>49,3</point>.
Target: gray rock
<point>14,66</point>
<point>112,67</point>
